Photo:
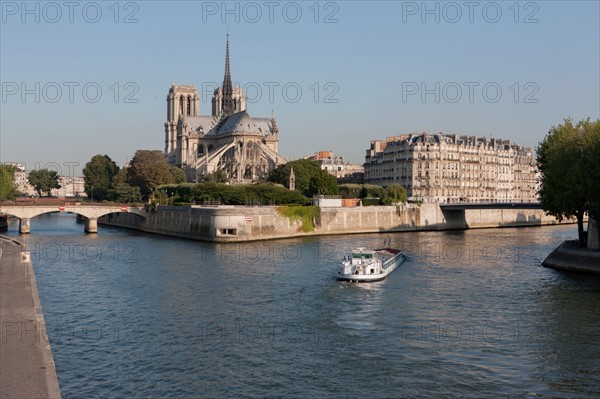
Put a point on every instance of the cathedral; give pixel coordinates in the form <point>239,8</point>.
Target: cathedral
<point>245,148</point>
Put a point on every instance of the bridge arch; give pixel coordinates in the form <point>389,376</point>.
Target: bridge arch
<point>91,213</point>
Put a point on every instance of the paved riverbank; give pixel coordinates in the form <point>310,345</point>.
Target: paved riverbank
<point>568,256</point>
<point>26,363</point>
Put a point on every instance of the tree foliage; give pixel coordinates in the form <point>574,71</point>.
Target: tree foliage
<point>149,169</point>
<point>43,180</point>
<point>124,193</point>
<point>99,173</point>
<point>394,194</point>
<point>353,190</point>
<point>310,178</point>
<point>237,194</point>
<point>8,189</point>
<point>218,176</point>
<point>569,164</point>
<point>177,174</point>
<point>120,177</point>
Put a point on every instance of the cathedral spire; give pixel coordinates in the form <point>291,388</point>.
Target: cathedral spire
<point>227,86</point>
<point>228,106</point>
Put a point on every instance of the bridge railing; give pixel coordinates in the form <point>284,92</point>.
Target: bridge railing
<point>64,202</point>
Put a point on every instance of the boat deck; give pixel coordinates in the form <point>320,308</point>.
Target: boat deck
<point>386,253</point>
<point>390,250</point>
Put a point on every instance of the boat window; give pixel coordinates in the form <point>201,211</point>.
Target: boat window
<point>362,256</point>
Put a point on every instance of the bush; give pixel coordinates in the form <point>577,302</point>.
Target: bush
<point>250,194</point>
<point>371,201</point>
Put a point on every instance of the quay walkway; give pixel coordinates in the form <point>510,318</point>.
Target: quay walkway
<point>26,363</point>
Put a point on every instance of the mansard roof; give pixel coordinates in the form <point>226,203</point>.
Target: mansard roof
<point>463,140</point>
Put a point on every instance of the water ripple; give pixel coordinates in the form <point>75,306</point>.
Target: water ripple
<point>470,315</point>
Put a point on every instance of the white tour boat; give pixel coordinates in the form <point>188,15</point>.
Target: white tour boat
<point>370,264</point>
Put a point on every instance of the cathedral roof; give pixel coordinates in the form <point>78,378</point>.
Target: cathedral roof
<point>201,124</point>
<point>238,123</point>
<point>241,122</point>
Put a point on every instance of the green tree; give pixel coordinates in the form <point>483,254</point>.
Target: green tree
<point>178,174</point>
<point>124,193</point>
<point>99,173</point>
<point>569,163</point>
<point>8,189</point>
<point>120,177</point>
<point>322,183</point>
<point>371,191</point>
<point>218,176</point>
<point>349,190</point>
<point>305,171</point>
<point>393,194</point>
<point>149,169</point>
<point>43,180</point>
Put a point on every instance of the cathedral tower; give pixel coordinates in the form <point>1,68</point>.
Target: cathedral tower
<point>182,101</point>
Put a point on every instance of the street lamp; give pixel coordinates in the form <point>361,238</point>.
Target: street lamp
<point>92,193</point>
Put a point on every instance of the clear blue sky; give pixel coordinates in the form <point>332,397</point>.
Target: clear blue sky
<point>373,58</point>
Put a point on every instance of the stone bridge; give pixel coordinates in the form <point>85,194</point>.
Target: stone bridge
<point>91,212</point>
<point>461,206</point>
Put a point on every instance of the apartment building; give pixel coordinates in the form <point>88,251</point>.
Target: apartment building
<point>450,168</point>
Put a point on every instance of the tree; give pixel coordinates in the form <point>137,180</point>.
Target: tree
<point>305,171</point>
<point>120,177</point>
<point>8,189</point>
<point>322,183</point>
<point>43,180</point>
<point>124,193</point>
<point>99,173</point>
<point>393,194</point>
<point>149,169</point>
<point>218,176</point>
<point>569,164</point>
<point>178,174</point>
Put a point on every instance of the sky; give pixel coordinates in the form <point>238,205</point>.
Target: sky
<point>84,78</point>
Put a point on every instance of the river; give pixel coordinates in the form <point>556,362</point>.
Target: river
<point>471,314</point>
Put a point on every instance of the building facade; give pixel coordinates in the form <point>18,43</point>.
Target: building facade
<point>70,186</point>
<point>449,168</point>
<point>344,172</point>
<point>229,139</point>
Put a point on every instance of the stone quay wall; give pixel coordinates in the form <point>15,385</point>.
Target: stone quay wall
<point>568,256</point>
<point>247,223</point>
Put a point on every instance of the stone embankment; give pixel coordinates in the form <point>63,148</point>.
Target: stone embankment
<point>26,363</point>
<point>568,256</point>
<point>242,223</point>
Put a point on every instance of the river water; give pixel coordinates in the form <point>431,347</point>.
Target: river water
<point>471,314</point>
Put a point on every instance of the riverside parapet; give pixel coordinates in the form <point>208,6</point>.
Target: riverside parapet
<point>246,223</point>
